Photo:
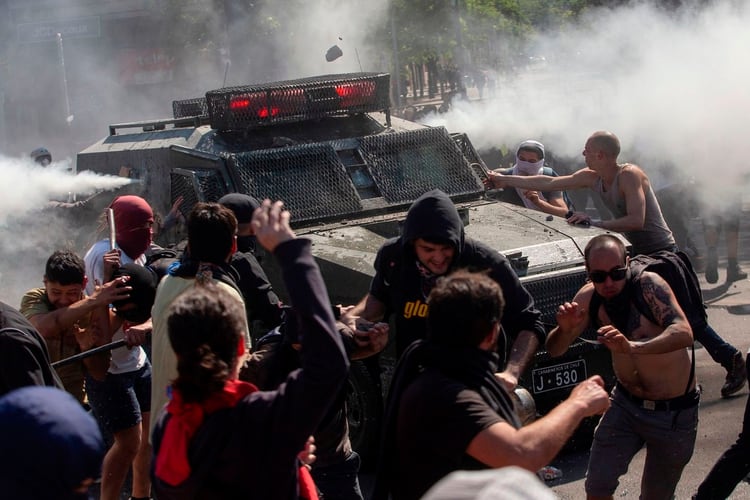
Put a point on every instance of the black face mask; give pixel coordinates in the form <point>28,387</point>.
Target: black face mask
<point>137,315</point>
<point>246,243</point>
<point>250,244</point>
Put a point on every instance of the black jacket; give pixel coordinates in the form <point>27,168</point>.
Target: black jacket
<point>24,359</point>
<point>250,450</point>
<point>400,286</point>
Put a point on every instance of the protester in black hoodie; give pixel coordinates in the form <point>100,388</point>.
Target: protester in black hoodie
<point>264,311</point>
<point>432,245</point>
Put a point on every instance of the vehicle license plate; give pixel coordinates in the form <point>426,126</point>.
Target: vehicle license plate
<point>554,377</point>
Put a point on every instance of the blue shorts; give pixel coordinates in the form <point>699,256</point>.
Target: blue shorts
<point>119,400</point>
<point>669,436</point>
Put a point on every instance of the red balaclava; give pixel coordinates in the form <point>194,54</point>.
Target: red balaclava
<point>133,221</point>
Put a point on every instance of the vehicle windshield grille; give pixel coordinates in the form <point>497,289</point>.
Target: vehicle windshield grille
<point>408,164</point>
<point>309,178</point>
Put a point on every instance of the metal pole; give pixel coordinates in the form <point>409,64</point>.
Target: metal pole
<point>89,353</point>
<point>61,55</point>
<point>396,64</point>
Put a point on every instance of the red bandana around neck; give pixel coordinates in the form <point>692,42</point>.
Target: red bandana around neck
<point>172,465</point>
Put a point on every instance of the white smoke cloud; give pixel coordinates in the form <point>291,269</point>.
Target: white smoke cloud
<point>672,86</point>
<point>27,186</point>
<point>298,48</point>
<point>30,229</point>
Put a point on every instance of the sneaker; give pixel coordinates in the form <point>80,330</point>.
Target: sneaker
<point>736,377</point>
<point>734,273</point>
<point>712,267</point>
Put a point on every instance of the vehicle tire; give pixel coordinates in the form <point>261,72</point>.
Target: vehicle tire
<point>364,411</point>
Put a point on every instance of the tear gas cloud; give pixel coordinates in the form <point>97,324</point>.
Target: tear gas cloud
<point>30,230</point>
<point>27,186</point>
<point>672,86</point>
<point>295,47</point>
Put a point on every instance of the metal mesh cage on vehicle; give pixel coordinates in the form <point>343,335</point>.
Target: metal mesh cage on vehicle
<point>235,108</point>
<point>196,185</point>
<point>552,289</point>
<point>190,107</point>
<point>467,148</point>
<point>408,164</point>
<point>309,178</point>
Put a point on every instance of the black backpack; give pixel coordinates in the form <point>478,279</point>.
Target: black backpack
<point>675,268</point>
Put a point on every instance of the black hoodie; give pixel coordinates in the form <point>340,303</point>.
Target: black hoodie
<point>400,286</point>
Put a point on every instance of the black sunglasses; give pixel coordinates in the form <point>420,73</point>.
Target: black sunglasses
<point>616,274</point>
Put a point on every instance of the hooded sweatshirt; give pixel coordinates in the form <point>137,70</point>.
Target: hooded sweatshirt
<point>49,444</point>
<point>400,285</point>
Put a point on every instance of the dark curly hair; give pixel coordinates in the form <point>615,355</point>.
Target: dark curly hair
<point>205,326</point>
<point>211,231</point>
<point>65,267</point>
<point>464,306</point>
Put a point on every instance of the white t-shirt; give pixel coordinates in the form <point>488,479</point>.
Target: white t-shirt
<point>124,360</point>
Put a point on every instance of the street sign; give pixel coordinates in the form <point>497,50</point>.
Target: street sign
<point>46,31</point>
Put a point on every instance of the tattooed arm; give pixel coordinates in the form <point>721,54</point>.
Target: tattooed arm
<point>660,299</point>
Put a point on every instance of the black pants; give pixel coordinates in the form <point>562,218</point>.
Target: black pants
<point>731,467</point>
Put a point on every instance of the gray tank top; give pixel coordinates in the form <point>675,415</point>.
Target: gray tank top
<point>655,234</point>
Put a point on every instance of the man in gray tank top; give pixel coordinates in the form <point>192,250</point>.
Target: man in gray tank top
<point>626,190</point>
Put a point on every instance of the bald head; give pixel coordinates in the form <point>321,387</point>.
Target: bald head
<point>604,242</point>
<point>606,142</point>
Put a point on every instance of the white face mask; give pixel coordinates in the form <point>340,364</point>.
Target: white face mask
<point>528,168</point>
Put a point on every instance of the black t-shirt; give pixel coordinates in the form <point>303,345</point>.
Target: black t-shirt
<point>437,419</point>
<point>24,359</point>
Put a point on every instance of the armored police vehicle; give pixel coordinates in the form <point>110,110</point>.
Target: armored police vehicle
<point>348,171</point>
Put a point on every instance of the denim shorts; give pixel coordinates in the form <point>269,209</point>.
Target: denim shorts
<point>119,400</point>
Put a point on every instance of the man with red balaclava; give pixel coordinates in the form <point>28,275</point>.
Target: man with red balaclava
<point>121,394</point>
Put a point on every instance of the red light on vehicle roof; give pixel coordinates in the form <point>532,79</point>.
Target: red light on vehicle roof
<point>355,93</point>
<point>238,103</point>
<point>253,106</point>
<point>268,111</point>
<point>266,105</point>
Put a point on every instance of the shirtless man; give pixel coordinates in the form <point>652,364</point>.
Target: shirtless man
<point>655,401</point>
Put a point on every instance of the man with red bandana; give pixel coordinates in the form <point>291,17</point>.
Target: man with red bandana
<point>134,221</point>
<point>122,398</point>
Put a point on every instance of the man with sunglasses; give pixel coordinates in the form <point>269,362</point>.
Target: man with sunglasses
<point>655,400</point>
